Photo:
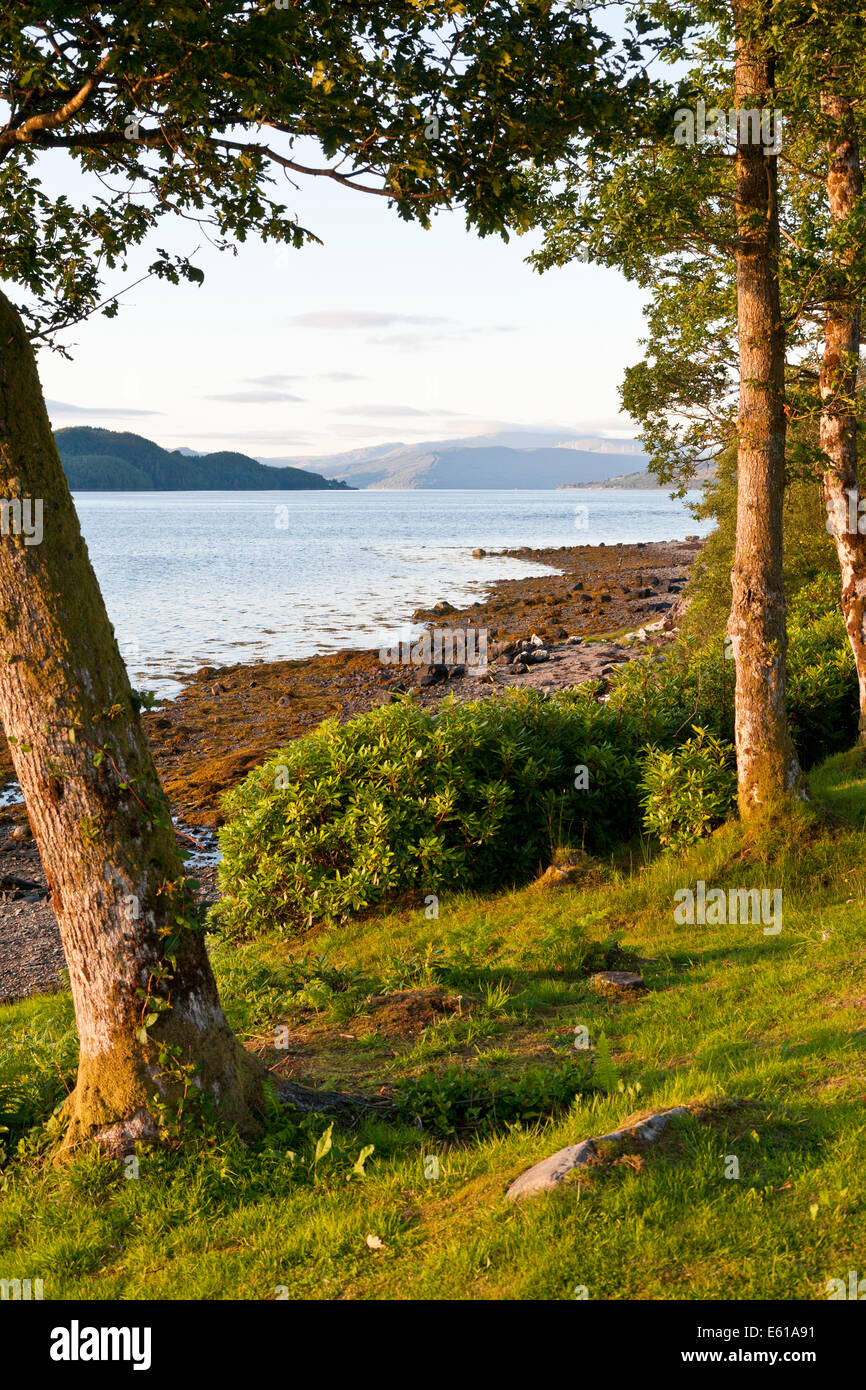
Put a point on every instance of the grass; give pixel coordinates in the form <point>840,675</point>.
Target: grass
<point>766,1033</point>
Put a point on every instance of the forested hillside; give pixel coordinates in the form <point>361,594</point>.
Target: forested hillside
<point>105,460</point>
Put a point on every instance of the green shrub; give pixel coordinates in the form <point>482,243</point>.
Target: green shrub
<point>402,800</point>
<point>472,796</point>
<point>689,789</point>
<point>696,686</point>
<point>823,699</point>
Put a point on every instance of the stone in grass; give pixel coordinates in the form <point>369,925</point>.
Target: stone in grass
<point>569,866</point>
<point>553,1171</point>
<point>618,982</point>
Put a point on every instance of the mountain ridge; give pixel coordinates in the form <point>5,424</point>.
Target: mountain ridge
<point>504,459</point>
<point>100,460</point>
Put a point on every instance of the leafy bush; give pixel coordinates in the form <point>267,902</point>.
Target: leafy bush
<point>402,799</point>
<point>808,549</point>
<point>475,796</point>
<point>689,789</point>
<point>460,1099</point>
<point>823,700</point>
<point>666,698</point>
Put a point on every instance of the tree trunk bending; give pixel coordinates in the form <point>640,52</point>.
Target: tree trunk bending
<point>133,943</point>
<point>767,766</point>
<point>838,387</point>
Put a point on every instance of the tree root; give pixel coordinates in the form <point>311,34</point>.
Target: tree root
<point>338,1103</point>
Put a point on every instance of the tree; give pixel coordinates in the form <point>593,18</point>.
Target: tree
<point>682,390</point>
<point>767,766</point>
<point>730,306</point>
<point>193,110</point>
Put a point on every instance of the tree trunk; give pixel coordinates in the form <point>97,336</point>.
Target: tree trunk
<point>767,766</point>
<point>152,1034</point>
<point>838,388</point>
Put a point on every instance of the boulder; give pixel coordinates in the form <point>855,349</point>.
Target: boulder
<point>618,982</point>
<point>433,675</point>
<point>552,1172</point>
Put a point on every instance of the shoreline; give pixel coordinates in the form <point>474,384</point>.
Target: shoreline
<point>228,718</point>
<point>619,600</point>
<point>592,591</point>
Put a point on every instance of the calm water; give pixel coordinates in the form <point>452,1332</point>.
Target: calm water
<point>195,578</point>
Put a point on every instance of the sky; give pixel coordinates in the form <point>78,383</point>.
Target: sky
<point>385,332</point>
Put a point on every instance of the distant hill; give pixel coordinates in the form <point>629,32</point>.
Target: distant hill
<point>509,459</point>
<point>98,460</point>
<point>703,474</point>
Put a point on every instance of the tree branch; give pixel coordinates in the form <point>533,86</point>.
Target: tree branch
<point>50,120</point>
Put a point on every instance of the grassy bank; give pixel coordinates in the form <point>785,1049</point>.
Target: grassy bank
<point>477,1035</point>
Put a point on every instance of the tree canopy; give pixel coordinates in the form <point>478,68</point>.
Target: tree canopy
<point>219,111</point>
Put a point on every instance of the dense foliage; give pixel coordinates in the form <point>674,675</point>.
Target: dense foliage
<point>220,111</point>
<point>477,796</point>
<point>689,789</point>
<point>402,799</point>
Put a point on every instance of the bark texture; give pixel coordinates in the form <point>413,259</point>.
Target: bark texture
<point>99,814</point>
<point>838,386</point>
<point>767,765</point>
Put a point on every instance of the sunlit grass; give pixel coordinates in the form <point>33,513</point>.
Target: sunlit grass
<point>767,1031</point>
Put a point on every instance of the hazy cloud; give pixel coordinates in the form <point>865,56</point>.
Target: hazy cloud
<point>447,331</point>
<point>243,438</point>
<point>261,396</point>
<point>276,379</point>
<point>364,318</point>
<point>389,411</point>
<point>103,411</point>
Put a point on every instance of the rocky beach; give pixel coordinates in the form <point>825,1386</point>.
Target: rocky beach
<point>598,607</point>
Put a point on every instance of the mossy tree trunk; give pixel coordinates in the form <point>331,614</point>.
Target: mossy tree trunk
<point>767,766</point>
<point>838,388</point>
<point>149,1018</point>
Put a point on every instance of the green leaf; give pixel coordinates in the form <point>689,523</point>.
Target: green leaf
<point>358,1167</point>
<point>324,1145</point>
